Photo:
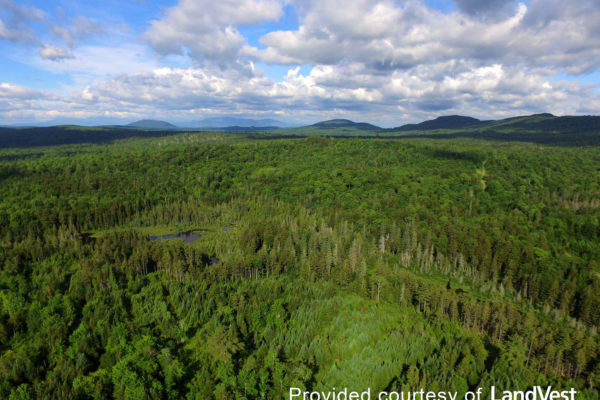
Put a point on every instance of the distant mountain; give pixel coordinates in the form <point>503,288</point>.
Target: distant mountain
<point>335,127</point>
<point>548,123</point>
<point>445,122</point>
<point>537,128</point>
<point>226,122</point>
<point>345,124</point>
<point>525,121</point>
<point>151,124</point>
<point>539,123</point>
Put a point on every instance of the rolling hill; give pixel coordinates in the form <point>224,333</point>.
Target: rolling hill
<point>345,124</point>
<point>335,127</point>
<point>536,123</point>
<point>151,124</point>
<point>444,122</point>
<point>548,123</point>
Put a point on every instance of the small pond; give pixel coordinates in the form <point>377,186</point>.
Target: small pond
<point>188,237</point>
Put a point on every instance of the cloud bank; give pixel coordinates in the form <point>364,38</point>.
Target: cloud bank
<point>388,62</point>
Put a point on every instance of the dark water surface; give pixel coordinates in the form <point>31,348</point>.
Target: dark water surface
<point>188,237</point>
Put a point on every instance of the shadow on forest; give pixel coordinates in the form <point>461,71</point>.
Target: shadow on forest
<point>7,172</point>
<point>17,157</point>
<point>59,135</point>
<point>552,139</point>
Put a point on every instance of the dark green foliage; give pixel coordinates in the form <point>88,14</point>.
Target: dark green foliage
<point>447,122</point>
<point>58,135</point>
<point>353,263</point>
<point>345,124</point>
<point>151,124</point>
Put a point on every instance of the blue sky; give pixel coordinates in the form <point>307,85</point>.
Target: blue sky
<point>387,62</point>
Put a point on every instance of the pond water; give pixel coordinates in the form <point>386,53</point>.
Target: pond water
<point>188,237</point>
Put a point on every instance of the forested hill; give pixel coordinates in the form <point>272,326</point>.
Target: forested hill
<point>537,123</point>
<point>532,123</point>
<point>446,122</point>
<point>345,124</point>
<point>334,127</point>
<point>151,124</point>
<point>548,123</point>
<point>542,128</point>
<point>538,128</point>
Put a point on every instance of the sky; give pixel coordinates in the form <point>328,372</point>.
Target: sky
<point>299,61</point>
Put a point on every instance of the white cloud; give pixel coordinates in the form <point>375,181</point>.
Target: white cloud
<point>423,92</point>
<point>389,36</point>
<point>10,91</point>
<point>384,61</point>
<point>207,28</point>
<point>16,100</point>
<point>54,53</point>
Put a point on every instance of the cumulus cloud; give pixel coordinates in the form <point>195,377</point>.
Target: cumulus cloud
<point>389,36</point>
<point>19,100</point>
<point>342,90</point>
<point>384,61</point>
<point>208,29</point>
<point>8,90</point>
<point>328,91</point>
<point>54,53</point>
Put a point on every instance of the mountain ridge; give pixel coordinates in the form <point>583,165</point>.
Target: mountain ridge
<point>442,122</point>
<point>345,123</point>
<point>538,128</point>
<point>151,124</point>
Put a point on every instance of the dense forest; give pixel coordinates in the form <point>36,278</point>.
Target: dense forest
<point>323,262</point>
